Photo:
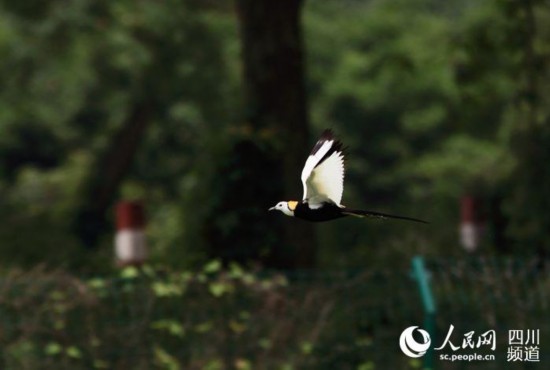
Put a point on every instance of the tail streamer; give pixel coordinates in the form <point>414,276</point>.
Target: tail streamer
<point>363,214</point>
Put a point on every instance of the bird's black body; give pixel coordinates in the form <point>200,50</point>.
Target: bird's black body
<point>328,211</point>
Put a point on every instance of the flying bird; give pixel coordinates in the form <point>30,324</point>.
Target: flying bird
<point>323,181</point>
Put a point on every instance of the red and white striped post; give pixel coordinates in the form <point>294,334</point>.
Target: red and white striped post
<point>469,225</point>
<point>130,243</point>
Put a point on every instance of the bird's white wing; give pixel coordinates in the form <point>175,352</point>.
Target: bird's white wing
<point>323,173</point>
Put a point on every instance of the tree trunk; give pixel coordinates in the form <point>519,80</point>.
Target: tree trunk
<point>531,139</point>
<point>104,179</point>
<point>273,56</point>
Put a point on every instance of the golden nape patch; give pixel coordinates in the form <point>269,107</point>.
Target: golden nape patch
<point>292,204</point>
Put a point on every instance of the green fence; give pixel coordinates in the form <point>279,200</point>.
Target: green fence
<point>236,319</point>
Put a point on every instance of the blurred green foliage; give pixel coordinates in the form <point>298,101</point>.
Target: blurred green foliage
<point>431,97</point>
<point>236,318</point>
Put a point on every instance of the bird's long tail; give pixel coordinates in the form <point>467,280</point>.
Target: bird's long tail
<point>362,214</point>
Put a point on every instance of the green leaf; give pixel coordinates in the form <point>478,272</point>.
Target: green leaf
<point>95,341</point>
<point>213,365</point>
<point>213,266</point>
<point>217,289</point>
<point>287,367</point>
<point>265,343</point>
<point>243,364</point>
<point>415,363</point>
<point>163,289</point>
<point>73,352</point>
<point>369,365</point>
<point>59,324</point>
<point>306,347</point>
<point>204,327</point>
<point>165,360</point>
<point>244,315</point>
<point>97,283</point>
<point>235,270</point>
<point>129,272</point>
<point>171,326</point>
<point>100,364</point>
<point>236,326</point>
<point>53,348</point>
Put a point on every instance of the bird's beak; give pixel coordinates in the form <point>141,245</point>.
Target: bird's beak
<point>271,209</point>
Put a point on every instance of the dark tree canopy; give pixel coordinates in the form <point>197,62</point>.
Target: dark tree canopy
<point>206,111</point>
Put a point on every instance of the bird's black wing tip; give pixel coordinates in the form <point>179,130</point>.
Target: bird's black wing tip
<point>327,134</point>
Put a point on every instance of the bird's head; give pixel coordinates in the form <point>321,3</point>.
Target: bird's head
<point>287,207</point>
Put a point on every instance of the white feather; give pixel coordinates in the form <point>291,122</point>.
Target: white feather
<point>326,181</point>
<point>312,161</point>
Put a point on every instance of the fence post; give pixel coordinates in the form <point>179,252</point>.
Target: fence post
<point>428,303</point>
<point>470,227</point>
<point>130,244</point>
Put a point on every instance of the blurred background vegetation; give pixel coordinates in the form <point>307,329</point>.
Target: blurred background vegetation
<point>206,110</point>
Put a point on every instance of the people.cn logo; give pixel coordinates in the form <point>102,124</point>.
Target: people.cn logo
<point>410,346</point>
